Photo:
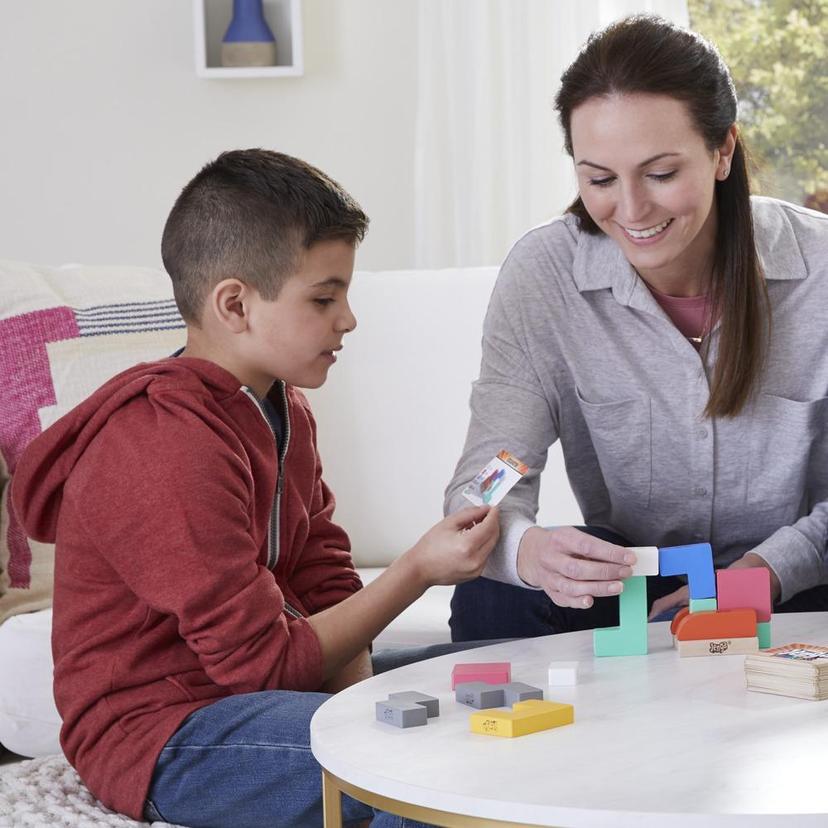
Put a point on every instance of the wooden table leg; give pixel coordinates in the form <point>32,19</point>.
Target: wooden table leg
<point>331,802</point>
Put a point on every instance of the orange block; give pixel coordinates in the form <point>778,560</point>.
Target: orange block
<point>696,626</point>
<point>677,619</point>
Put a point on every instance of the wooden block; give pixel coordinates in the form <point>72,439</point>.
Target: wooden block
<point>630,637</point>
<point>684,611</point>
<point>695,561</point>
<point>563,672</point>
<point>401,714</point>
<point>492,672</point>
<point>701,626</point>
<point>517,691</point>
<point>479,694</point>
<point>431,704</point>
<point>718,646</point>
<point>647,563</point>
<point>703,605</point>
<point>525,717</point>
<point>763,629</point>
<point>745,589</point>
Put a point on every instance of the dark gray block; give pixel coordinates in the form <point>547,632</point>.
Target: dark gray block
<point>517,691</point>
<point>479,694</point>
<point>431,703</point>
<point>401,714</point>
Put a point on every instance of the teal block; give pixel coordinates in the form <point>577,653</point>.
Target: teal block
<point>763,630</point>
<point>703,605</point>
<point>630,637</point>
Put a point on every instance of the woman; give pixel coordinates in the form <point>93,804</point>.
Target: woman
<point>671,332</point>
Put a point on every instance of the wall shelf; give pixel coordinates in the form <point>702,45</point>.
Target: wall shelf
<point>211,18</point>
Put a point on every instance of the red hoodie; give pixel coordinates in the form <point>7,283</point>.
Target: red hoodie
<point>158,492</point>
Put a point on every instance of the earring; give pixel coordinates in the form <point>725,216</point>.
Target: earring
<point>724,173</point>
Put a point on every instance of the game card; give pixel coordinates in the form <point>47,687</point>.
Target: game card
<point>495,480</point>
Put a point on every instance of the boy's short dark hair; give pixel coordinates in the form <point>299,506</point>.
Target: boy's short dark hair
<point>249,214</point>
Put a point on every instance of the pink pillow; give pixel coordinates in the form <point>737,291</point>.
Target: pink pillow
<point>64,332</point>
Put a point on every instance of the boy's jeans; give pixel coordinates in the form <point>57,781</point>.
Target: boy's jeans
<point>245,761</point>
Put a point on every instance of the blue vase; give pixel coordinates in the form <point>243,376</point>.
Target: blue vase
<point>248,40</point>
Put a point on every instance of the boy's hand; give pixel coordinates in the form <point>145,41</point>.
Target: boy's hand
<point>456,549</point>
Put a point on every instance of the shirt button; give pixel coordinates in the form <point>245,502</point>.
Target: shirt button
<point>700,491</point>
<point>702,432</point>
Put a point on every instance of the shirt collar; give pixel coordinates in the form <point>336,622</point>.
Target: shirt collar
<point>600,264</point>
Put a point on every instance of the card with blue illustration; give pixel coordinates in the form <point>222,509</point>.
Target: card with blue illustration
<point>495,480</point>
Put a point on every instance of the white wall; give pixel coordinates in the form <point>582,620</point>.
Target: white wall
<point>103,120</point>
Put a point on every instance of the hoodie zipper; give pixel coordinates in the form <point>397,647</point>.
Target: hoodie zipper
<point>273,526</point>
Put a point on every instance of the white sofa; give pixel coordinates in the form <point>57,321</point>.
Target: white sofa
<point>392,420</point>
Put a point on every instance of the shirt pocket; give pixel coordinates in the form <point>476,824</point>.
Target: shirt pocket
<point>787,437</point>
<point>621,434</point>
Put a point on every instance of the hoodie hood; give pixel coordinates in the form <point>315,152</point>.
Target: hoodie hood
<point>48,461</point>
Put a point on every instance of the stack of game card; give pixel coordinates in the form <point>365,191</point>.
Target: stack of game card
<point>799,670</point>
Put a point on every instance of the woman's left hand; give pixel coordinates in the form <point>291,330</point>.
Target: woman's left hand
<point>681,597</point>
<point>751,559</point>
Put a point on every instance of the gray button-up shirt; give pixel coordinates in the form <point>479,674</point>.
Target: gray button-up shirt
<point>575,347</point>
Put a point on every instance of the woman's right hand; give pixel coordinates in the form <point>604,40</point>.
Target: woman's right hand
<point>457,548</point>
<point>571,566</point>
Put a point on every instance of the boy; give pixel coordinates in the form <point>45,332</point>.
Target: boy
<point>197,563</point>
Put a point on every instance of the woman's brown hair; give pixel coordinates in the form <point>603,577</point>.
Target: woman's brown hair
<point>647,54</point>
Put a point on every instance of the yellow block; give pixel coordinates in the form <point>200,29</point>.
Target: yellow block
<point>525,717</point>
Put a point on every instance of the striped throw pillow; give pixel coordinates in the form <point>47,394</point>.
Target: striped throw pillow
<point>64,332</point>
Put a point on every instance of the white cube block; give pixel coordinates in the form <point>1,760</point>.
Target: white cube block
<point>563,672</point>
<point>647,560</point>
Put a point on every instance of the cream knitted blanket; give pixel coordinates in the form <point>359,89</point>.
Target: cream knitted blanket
<point>47,792</point>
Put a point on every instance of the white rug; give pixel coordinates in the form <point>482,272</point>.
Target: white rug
<point>47,792</point>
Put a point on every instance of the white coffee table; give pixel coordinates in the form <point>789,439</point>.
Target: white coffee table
<point>657,740</point>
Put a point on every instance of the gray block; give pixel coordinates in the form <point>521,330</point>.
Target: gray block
<point>517,691</point>
<point>479,694</point>
<point>401,714</point>
<point>431,704</point>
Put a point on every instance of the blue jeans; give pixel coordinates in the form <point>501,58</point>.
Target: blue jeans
<point>245,761</point>
<point>482,608</point>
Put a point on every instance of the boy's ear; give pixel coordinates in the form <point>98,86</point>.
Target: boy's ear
<point>229,304</point>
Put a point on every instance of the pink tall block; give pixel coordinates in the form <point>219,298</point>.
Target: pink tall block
<point>745,589</point>
<point>492,672</point>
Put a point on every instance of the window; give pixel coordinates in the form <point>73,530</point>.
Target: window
<point>777,51</point>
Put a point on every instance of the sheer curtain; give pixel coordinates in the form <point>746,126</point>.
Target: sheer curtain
<point>489,158</point>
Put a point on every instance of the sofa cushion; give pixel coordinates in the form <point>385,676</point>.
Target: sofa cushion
<point>29,721</point>
<point>65,331</point>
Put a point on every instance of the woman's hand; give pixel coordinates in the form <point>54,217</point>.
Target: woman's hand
<point>681,597</point>
<point>751,559</point>
<point>571,566</point>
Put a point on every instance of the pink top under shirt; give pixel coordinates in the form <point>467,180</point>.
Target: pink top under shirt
<point>688,313</point>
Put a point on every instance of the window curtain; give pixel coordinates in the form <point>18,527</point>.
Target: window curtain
<point>489,159</point>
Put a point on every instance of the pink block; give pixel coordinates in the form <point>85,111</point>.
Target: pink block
<point>744,589</point>
<point>492,672</point>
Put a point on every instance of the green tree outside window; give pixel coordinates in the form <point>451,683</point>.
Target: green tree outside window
<point>777,51</point>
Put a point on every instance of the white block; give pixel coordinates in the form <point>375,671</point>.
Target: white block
<point>563,672</point>
<point>647,560</point>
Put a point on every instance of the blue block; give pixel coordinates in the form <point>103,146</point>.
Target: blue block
<point>696,562</point>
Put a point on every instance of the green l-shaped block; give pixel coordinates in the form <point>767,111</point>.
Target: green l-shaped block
<point>630,637</point>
